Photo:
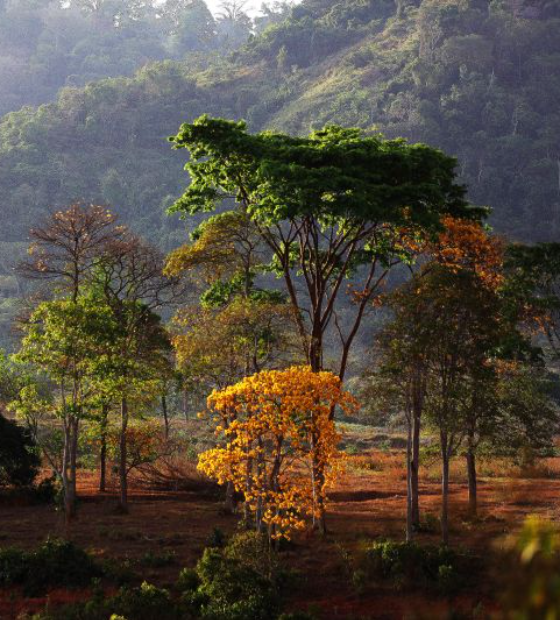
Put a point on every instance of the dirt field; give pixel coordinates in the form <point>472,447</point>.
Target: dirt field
<point>368,503</point>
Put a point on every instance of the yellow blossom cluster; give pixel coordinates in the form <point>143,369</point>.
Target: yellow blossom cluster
<point>280,443</point>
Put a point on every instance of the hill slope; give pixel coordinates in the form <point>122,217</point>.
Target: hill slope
<point>478,79</point>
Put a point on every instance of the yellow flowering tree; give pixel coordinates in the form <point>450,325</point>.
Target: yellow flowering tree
<point>278,433</point>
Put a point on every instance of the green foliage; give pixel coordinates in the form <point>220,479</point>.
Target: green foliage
<point>334,173</point>
<point>157,560</point>
<point>409,565</point>
<point>232,582</point>
<point>534,285</point>
<point>146,602</point>
<point>466,77</point>
<point>54,563</point>
<point>45,46</point>
<point>217,538</point>
<point>240,581</point>
<point>19,461</point>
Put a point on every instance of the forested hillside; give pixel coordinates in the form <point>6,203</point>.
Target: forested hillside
<point>473,77</point>
<point>476,78</point>
<point>48,44</point>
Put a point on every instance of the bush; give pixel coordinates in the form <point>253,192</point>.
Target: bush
<point>157,560</point>
<point>410,565</point>
<point>237,582</point>
<point>19,461</point>
<point>217,538</point>
<point>231,590</point>
<point>241,581</point>
<point>143,603</point>
<point>55,563</point>
<point>188,580</point>
<point>48,491</point>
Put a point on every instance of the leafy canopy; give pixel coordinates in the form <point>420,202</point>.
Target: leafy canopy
<point>334,174</point>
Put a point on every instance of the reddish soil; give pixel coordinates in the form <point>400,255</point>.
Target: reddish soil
<point>368,503</point>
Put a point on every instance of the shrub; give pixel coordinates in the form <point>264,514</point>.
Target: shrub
<point>19,462</point>
<point>157,560</point>
<point>56,562</point>
<point>234,583</point>
<point>410,564</point>
<point>231,590</point>
<point>146,602</point>
<point>241,581</point>
<point>188,580</point>
<point>48,491</point>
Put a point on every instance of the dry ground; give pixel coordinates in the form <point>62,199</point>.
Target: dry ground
<point>368,503</point>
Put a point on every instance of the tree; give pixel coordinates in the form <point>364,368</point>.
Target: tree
<point>192,25</point>
<point>63,336</point>
<point>129,281</point>
<point>66,246</point>
<point>534,284</point>
<point>62,339</point>
<point>332,206</point>
<point>276,425</point>
<point>19,458</point>
<point>217,348</point>
<point>440,347</point>
<point>233,23</point>
<point>225,256</point>
<point>240,328</point>
<point>463,248</point>
<point>527,420</point>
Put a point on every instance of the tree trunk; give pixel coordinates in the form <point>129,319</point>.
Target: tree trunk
<point>165,415</point>
<point>123,473</point>
<point>186,404</point>
<point>318,481</point>
<point>316,350</point>
<point>414,469</point>
<point>103,450</point>
<point>444,493</point>
<point>73,460</point>
<point>409,521</point>
<point>229,504</point>
<point>66,485</point>
<point>471,475</point>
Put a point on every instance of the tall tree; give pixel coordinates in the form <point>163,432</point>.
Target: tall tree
<point>129,280</point>
<point>61,334</point>
<point>330,207</point>
<point>440,345</point>
<point>62,339</point>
